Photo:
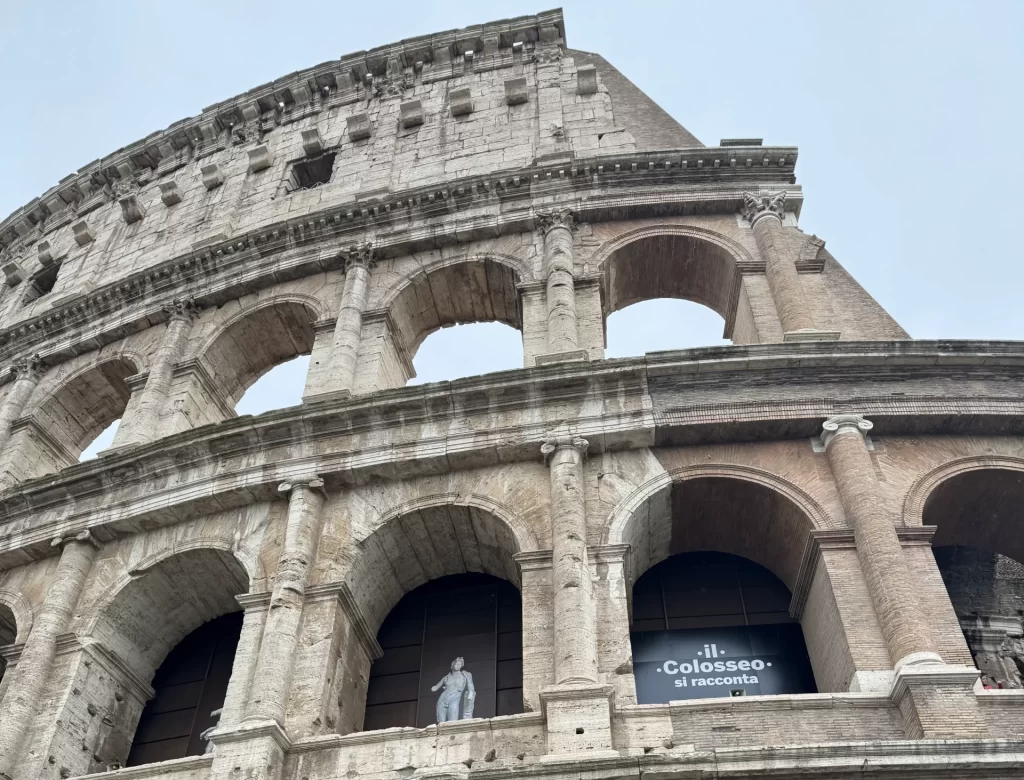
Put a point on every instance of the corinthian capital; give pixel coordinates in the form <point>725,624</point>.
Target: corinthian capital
<point>361,255</point>
<point>757,206</point>
<point>555,443</point>
<point>549,219</point>
<point>182,309</point>
<point>844,423</point>
<point>30,367</point>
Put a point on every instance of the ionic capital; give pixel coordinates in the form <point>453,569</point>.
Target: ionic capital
<point>184,309</point>
<point>315,484</point>
<point>844,423</point>
<point>549,219</point>
<point>360,255</point>
<point>84,537</point>
<point>757,206</point>
<point>552,445</point>
<point>30,367</point>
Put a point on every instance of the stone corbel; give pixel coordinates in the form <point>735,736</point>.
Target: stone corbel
<point>260,158</point>
<point>461,101</point>
<point>45,253</point>
<point>312,143</point>
<point>83,233</point>
<point>586,80</point>
<point>358,126</point>
<point>213,176</point>
<point>13,272</point>
<point>411,113</point>
<point>169,192</point>
<point>516,92</point>
<point>132,210</point>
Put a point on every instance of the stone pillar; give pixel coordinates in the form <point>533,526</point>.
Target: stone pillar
<point>146,424</point>
<point>348,329</point>
<point>765,212</point>
<point>28,372</point>
<point>563,336</point>
<point>272,679</point>
<point>33,670</point>
<point>575,621</point>
<point>907,634</point>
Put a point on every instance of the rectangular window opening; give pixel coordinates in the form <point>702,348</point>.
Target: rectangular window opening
<point>307,174</point>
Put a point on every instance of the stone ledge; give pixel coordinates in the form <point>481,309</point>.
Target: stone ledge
<point>161,769</point>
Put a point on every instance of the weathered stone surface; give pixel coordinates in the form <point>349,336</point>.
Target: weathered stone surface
<point>570,477</point>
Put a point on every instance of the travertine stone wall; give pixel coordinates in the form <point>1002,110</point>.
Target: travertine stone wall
<point>487,174</point>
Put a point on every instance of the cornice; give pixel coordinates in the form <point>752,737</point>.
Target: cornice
<point>628,186</point>
<point>354,76</point>
<point>357,440</point>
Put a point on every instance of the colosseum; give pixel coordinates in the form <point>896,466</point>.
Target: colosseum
<point>792,555</point>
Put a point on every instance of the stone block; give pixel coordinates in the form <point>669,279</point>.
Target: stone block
<point>260,158</point>
<point>461,101</point>
<point>132,210</point>
<point>169,192</point>
<point>515,91</point>
<point>45,252</point>
<point>83,233</point>
<point>358,126</point>
<point>13,273</point>
<point>586,80</point>
<point>412,113</point>
<point>213,176</point>
<point>312,143</point>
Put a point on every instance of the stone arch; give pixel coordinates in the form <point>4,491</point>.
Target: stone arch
<point>433,537</point>
<point>644,519</point>
<point>150,609</point>
<point>455,291</point>
<point>79,407</point>
<point>15,617</point>
<point>256,339</point>
<point>673,261</point>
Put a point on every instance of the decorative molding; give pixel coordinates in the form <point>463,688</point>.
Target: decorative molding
<point>549,219</point>
<point>181,309</point>
<point>844,423</point>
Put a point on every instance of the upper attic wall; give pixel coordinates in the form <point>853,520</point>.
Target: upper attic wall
<point>650,125</point>
<point>396,119</point>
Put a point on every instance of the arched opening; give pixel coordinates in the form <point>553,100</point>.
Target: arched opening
<point>475,617</point>
<point>8,635</point>
<point>174,625</point>
<point>468,350</point>
<point>101,442</point>
<point>448,569</point>
<point>714,560</point>
<point>279,388</point>
<point>459,293</point>
<point>255,343</point>
<point>708,624</point>
<point>979,551</point>
<point>672,265</point>
<point>661,324</point>
<point>72,423</point>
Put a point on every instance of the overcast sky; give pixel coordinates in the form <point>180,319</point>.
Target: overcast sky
<point>907,116</point>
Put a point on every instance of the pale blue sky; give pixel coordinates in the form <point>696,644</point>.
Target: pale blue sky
<point>907,116</point>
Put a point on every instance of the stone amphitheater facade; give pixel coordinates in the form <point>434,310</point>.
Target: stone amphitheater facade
<point>487,174</point>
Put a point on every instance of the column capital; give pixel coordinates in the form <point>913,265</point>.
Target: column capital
<point>184,309</point>
<point>844,423</point>
<point>549,219</point>
<point>757,206</point>
<point>359,255</point>
<point>315,484</point>
<point>85,537</point>
<point>30,367</point>
<point>555,443</point>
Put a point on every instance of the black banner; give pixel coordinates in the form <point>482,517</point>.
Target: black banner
<point>711,662</point>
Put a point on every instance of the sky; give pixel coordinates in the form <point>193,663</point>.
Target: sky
<point>907,116</point>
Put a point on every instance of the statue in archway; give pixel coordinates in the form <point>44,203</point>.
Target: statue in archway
<point>458,697</point>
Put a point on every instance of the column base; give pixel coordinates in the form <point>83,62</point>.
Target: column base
<point>872,681</point>
<point>579,720</point>
<point>938,701</point>
<point>810,334</point>
<point>573,356</point>
<point>253,749</point>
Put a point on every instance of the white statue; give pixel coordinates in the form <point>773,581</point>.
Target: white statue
<point>205,736</point>
<point>457,683</point>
